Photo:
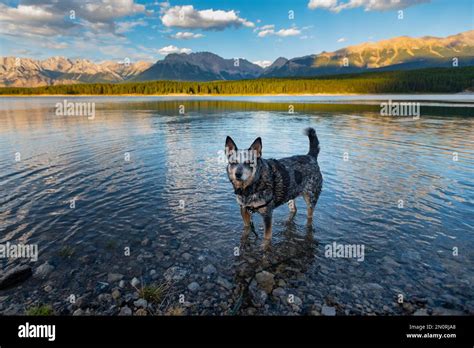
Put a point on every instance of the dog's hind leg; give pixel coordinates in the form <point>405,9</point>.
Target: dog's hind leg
<point>311,199</point>
<point>292,207</point>
<point>308,197</point>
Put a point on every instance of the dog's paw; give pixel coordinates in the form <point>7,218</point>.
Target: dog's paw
<point>266,244</point>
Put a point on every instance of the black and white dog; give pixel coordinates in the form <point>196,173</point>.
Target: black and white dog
<point>261,185</point>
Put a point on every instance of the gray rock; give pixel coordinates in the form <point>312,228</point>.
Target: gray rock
<point>421,312</point>
<point>209,269</point>
<point>44,270</point>
<point>116,294</point>
<point>125,311</point>
<point>279,292</point>
<point>257,295</point>
<point>135,282</point>
<point>140,303</point>
<point>187,256</point>
<point>14,276</point>
<point>105,297</point>
<point>265,280</point>
<point>224,283</point>
<point>193,287</point>
<point>328,311</point>
<point>78,312</point>
<point>122,283</point>
<point>175,273</point>
<point>295,300</point>
<point>114,277</point>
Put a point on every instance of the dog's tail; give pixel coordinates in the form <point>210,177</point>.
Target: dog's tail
<point>313,142</point>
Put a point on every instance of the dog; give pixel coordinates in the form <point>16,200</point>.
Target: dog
<point>262,185</point>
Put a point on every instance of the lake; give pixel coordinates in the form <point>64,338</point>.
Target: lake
<point>140,191</point>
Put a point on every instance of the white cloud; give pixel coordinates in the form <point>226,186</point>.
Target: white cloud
<point>186,36</point>
<point>281,33</point>
<point>123,27</point>
<point>342,39</point>
<point>188,17</point>
<point>55,45</point>
<point>33,18</point>
<point>368,5</point>
<point>263,63</point>
<point>265,27</point>
<point>173,49</point>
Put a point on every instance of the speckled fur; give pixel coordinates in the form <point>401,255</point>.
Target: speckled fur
<point>275,182</point>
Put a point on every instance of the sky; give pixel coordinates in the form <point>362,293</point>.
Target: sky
<point>257,30</point>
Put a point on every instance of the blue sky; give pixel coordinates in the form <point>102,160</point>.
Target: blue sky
<point>259,31</point>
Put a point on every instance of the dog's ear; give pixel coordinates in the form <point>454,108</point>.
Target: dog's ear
<point>230,146</point>
<point>257,147</point>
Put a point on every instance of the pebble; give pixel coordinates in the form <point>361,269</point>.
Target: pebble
<point>224,283</point>
<point>78,312</point>
<point>116,294</point>
<point>114,277</point>
<point>135,282</point>
<point>141,312</point>
<point>295,300</point>
<point>43,270</point>
<point>421,312</point>
<point>257,295</point>
<point>122,284</point>
<point>175,273</point>
<point>328,311</point>
<point>279,292</point>
<point>209,269</point>
<point>265,280</point>
<point>125,311</point>
<point>194,286</point>
<point>140,303</point>
<point>187,256</point>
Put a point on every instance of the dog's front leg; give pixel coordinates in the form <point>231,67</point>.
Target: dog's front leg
<point>267,232</point>
<point>246,216</point>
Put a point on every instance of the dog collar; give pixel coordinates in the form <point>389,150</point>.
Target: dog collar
<point>254,209</point>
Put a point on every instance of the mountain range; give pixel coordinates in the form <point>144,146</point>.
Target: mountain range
<point>399,53</point>
<point>27,72</point>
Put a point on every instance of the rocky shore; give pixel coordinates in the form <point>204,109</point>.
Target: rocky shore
<point>256,283</point>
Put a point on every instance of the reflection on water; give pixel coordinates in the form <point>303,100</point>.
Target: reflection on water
<point>399,193</point>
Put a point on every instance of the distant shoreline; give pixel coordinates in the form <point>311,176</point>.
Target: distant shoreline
<point>237,95</point>
<point>184,95</point>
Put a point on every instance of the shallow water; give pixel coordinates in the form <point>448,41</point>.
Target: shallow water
<point>172,205</point>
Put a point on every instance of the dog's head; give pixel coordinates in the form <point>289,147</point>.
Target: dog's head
<point>242,165</point>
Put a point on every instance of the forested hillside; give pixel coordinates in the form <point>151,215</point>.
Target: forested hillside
<point>436,80</point>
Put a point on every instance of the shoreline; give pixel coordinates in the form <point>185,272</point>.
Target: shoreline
<point>470,94</point>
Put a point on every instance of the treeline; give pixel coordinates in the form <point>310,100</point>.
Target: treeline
<point>435,80</point>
